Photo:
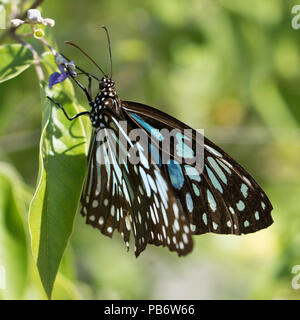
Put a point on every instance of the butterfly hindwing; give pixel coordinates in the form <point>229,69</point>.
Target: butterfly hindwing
<point>223,198</point>
<point>131,198</point>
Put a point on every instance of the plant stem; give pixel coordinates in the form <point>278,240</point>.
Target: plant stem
<point>45,43</point>
<point>36,56</point>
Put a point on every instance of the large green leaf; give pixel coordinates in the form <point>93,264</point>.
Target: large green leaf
<point>13,241</point>
<point>14,59</point>
<point>61,174</point>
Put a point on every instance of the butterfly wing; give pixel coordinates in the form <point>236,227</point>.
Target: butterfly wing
<point>223,198</point>
<point>122,196</point>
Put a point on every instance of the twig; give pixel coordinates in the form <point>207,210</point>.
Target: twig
<point>45,43</point>
<point>23,4</point>
<point>36,56</point>
<point>25,35</point>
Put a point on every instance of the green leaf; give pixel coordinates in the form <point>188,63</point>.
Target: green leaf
<point>61,175</point>
<point>15,59</point>
<point>13,240</point>
<point>65,289</point>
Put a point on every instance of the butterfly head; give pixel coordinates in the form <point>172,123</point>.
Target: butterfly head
<point>107,90</point>
<point>106,84</point>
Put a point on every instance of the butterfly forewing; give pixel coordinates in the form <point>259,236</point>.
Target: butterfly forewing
<point>131,198</point>
<point>223,198</point>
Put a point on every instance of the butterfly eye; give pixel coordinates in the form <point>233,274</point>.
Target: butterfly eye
<point>102,85</point>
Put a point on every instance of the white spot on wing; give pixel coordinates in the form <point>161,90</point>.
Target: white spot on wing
<point>240,205</point>
<point>211,201</point>
<point>95,204</point>
<point>109,229</point>
<point>244,190</point>
<point>101,221</point>
<point>246,224</point>
<point>204,218</point>
<point>176,210</point>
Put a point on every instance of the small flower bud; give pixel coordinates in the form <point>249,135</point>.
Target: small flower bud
<point>34,16</point>
<point>16,22</point>
<point>71,68</point>
<point>59,59</point>
<point>48,22</point>
<point>71,65</point>
<point>38,33</point>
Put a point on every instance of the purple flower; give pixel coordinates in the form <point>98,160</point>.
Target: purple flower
<point>57,77</point>
<point>66,68</point>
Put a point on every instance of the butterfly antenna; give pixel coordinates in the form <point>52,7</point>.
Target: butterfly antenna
<point>77,47</point>
<point>109,48</point>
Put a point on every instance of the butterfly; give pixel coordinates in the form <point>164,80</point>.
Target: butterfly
<point>158,202</point>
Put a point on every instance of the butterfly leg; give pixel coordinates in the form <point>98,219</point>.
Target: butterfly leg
<point>90,85</point>
<point>88,92</point>
<point>65,113</point>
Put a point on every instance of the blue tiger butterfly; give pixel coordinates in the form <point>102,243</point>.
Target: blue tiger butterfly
<point>160,203</point>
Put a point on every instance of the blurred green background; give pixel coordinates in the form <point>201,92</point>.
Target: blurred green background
<point>231,67</point>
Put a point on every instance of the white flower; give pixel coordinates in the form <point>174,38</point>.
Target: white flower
<point>48,22</point>
<point>16,22</point>
<point>34,16</point>
<point>38,33</point>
